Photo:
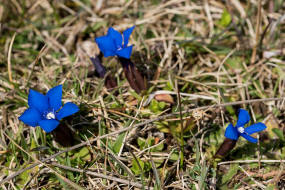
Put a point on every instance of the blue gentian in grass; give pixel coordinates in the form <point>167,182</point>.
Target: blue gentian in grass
<point>114,43</point>
<point>233,132</point>
<point>46,110</point>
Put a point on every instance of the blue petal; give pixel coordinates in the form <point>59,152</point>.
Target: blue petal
<point>249,138</point>
<point>125,52</point>
<point>126,34</point>
<point>105,43</point>
<point>38,101</point>
<point>243,118</point>
<point>116,36</point>
<point>255,128</point>
<point>231,132</point>
<point>31,117</point>
<point>67,110</point>
<point>54,97</point>
<point>48,125</point>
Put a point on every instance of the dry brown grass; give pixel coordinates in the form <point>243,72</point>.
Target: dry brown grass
<point>188,43</point>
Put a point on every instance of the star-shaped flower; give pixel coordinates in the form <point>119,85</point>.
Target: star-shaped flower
<point>44,110</point>
<point>112,44</point>
<point>233,132</point>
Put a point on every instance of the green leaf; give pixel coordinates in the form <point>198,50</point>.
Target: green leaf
<point>279,133</point>
<point>197,153</point>
<point>150,141</point>
<point>226,19</point>
<point>154,106</point>
<point>24,177</point>
<point>234,63</point>
<point>135,167</point>
<point>97,26</point>
<point>162,126</point>
<point>134,94</point>
<point>161,105</point>
<point>230,174</point>
<point>158,148</point>
<point>174,156</point>
<point>33,144</point>
<point>118,143</point>
<point>168,86</point>
<point>83,154</point>
<point>141,142</point>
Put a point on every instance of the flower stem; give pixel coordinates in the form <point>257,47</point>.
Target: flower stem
<point>63,135</point>
<point>225,148</point>
<point>132,74</point>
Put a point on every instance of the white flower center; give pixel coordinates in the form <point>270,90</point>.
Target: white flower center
<point>241,129</point>
<point>50,115</point>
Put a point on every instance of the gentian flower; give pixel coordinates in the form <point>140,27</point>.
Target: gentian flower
<point>112,44</point>
<point>233,132</point>
<point>44,110</point>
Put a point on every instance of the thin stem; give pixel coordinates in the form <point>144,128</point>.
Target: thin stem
<point>250,161</point>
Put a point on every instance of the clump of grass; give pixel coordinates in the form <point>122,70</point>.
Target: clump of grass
<point>217,53</point>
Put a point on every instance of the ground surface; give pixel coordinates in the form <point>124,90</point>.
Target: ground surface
<point>213,52</point>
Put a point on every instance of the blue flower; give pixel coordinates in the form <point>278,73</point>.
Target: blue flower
<point>44,110</point>
<point>233,132</point>
<point>112,44</point>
